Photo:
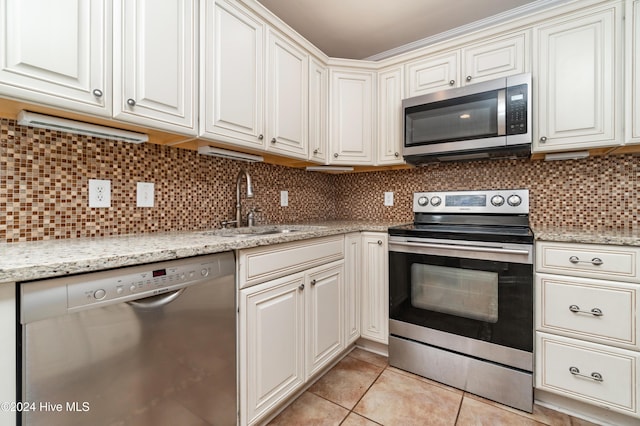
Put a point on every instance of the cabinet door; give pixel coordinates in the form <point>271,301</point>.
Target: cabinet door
<point>233,74</point>
<point>352,279</point>
<point>8,352</point>
<point>390,136</point>
<point>287,98</point>
<point>432,74</point>
<point>325,309</point>
<point>496,58</point>
<point>57,53</point>
<point>578,85</point>
<point>318,123</point>
<point>632,58</point>
<point>375,291</point>
<point>271,344</point>
<point>154,63</point>
<point>352,118</point>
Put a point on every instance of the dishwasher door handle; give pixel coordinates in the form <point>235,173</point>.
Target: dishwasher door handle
<point>156,301</point>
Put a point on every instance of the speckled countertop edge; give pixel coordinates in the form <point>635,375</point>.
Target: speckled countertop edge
<point>586,236</point>
<point>53,258</point>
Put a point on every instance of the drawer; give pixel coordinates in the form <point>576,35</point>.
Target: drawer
<point>617,263</point>
<point>557,357</point>
<point>260,264</point>
<point>596,310</point>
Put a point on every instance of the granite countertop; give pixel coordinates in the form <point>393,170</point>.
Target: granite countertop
<point>53,258</point>
<point>622,237</point>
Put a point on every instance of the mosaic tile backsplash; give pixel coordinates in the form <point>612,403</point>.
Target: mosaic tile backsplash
<point>44,178</point>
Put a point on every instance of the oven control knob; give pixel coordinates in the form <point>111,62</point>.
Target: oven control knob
<point>435,201</point>
<point>423,201</point>
<point>514,200</point>
<point>497,200</point>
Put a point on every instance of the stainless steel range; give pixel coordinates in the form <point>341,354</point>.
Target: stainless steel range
<point>461,293</point>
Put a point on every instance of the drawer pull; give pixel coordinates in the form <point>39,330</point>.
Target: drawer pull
<point>595,261</point>
<point>596,312</point>
<point>596,377</point>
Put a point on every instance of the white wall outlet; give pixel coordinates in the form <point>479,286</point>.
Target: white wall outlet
<point>388,198</point>
<point>99,193</point>
<point>144,194</point>
<point>284,198</point>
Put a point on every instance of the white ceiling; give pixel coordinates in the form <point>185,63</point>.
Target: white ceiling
<point>358,29</point>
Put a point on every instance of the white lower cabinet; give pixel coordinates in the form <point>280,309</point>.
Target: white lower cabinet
<point>587,328</point>
<point>7,354</point>
<point>290,328</point>
<point>374,290</point>
<point>593,373</point>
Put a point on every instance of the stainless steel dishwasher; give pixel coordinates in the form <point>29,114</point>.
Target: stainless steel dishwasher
<point>143,345</point>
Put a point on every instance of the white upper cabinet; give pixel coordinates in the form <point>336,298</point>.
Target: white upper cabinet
<point>232,75</point>
<point>287,97</point>
<point>390,131</point>
<point>318,111</point>
<point>578,81</point>
<point>57,53</point>
<point>633,72</point>
<point>154,78</point>
<point>488,59</point>
<point>432,73</point>
<point>352,116</point>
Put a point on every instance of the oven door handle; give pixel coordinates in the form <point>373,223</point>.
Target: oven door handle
<point>458,247</point>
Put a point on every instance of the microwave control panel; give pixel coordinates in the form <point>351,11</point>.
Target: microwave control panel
<point>517,109</point>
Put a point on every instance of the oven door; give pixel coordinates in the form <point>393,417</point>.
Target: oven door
<point>470,297</point>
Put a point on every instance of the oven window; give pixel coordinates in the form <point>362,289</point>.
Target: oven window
<point>462,292</point>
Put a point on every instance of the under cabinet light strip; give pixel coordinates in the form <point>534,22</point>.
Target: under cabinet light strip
<point>225,153</point>
<point>32,119</point>
<point>574,155</point>
<point>328,169</point>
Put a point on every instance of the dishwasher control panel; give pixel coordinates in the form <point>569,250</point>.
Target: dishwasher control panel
<point>137,282</point>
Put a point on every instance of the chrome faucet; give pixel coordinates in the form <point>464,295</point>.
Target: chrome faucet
<point>249,194</point>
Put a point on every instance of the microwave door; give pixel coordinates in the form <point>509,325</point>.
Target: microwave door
<point>468,118</point>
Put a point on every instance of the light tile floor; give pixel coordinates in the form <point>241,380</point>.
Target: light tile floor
<point>362,389</point>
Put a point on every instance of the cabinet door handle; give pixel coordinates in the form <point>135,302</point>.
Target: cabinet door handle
<point>131,102</point>
<point>313,282</point>
<point>469,78</point>
<point>596,312</point>
<point>97,93</point>
<point>335,155</point>
<point>596,261</point>
<point>260,137</point>
<point>397,154</point>
<point>452,82</point>
<point>315,151</point>
<point>595,376</point>
<point>379,242</point>
<point>543,139</point>
<point>273,140</point>
<point>301,287</point>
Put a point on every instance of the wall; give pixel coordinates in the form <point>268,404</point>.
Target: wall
<point>44,177</point>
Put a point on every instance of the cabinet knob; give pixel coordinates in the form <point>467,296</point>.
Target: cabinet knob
<point>301,287</point>
<point>97,93</point>
<point>543,139</point>
<point>468,78</point>
<point>379,242</point>
<point>452,82</point>
<point>315,151</point>
<point>397,154</point>
<point>313,282</point>
<point>335,155</point>
<point>273,140</point>
<point>260,137</point>
<point>131,102</point>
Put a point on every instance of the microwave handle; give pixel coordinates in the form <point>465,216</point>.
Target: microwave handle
<point>502,112</point>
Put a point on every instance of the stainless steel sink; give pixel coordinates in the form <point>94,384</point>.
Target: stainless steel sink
<point>257,231</point>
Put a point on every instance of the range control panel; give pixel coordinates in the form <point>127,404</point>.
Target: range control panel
<point>138,282</point>
<point>511,201</point>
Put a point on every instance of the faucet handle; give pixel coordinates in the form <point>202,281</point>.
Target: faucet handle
<point>226,223</point>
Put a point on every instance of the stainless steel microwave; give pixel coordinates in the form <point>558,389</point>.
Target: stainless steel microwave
<point>491,119</point>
